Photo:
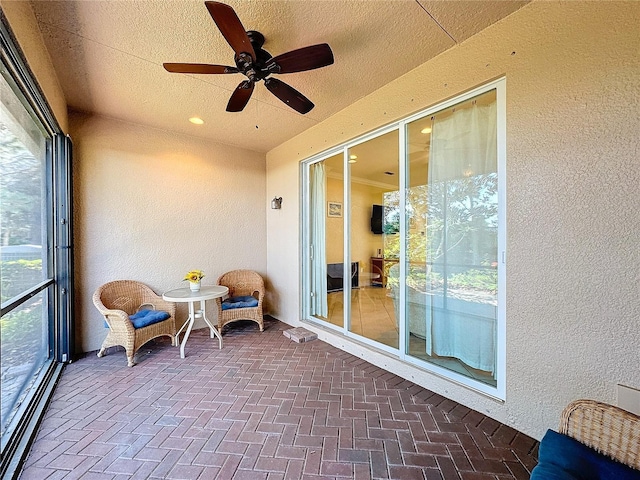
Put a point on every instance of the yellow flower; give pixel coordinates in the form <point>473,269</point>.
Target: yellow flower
<point>194,276</point>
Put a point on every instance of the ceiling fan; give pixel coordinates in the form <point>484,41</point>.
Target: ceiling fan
<point>257,64</point>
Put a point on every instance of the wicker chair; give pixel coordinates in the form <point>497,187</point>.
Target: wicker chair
<point>121,298</point>
<point>241,283</point>
<point>609,430</point>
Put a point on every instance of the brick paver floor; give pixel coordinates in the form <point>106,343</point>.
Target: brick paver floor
<point>263,407</point>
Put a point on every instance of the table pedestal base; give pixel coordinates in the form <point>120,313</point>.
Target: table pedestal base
<point>193,314</point>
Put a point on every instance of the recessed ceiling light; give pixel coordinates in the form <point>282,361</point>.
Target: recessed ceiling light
<point>353,157</point>
<point>351,160</point>
<point>426,130</point>
<point>196,120</point>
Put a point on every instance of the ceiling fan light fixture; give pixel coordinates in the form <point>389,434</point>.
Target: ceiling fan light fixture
<point>196,120</point>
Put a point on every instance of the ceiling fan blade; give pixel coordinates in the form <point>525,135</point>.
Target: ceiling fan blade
<point>289,95</point>
<point>240,97</point>
<point>306,58</point>
<point>231,28</point>
<point>197,68</point>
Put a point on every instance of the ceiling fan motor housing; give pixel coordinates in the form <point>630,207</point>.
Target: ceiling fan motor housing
<point>255,71</point>
<point>256,39</point>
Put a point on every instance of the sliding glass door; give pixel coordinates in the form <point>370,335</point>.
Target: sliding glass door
<point>452,241</point>
<point>326,235</point>
<point>412,221</point>
<point>374,235</point>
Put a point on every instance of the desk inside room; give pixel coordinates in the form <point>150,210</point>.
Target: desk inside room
<point>380,270</point>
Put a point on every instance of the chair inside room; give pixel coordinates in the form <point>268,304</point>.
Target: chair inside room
<point>335,274</point>
<point>246,293</point>
<point>135,314</point>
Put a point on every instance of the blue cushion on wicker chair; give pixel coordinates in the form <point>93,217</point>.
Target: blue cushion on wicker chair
<point>564,458</point>
<point>246,301</point>
<point>144,318</point>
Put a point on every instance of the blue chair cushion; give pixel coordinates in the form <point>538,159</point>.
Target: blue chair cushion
<point>246,301</point>
<point>144,318</point>
<point>561,457</point>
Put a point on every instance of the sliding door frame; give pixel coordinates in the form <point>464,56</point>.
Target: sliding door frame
<point>497,392</point>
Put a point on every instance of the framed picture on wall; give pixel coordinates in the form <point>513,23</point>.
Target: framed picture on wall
<point>334,209</point>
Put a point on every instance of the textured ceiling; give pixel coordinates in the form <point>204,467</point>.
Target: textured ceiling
<point>108,56</point>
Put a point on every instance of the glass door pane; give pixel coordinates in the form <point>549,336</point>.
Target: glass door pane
<point>452,250</point>
<point>374,237</point>
<point>326,192</point>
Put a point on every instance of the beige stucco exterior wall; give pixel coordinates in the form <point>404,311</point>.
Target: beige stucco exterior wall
<point>25,28</point>
<point>573,222</point>
<point>150,205</point>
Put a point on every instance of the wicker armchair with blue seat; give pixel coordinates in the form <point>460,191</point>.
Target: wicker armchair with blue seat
<point>246,294</point>
<point>134,314</point>
<point>595,441</point>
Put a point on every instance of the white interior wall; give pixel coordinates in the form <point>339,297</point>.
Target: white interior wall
<point>151,205</point>
<point>335,225</point>
<point>363,242</point>
<point>573,223</point>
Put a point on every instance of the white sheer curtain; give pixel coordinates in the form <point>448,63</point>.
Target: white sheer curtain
<point>318,240</point>
<point>463,143</point>
<point>462,174</point>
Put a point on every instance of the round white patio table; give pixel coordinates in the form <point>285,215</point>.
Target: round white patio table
<point>185,295</point>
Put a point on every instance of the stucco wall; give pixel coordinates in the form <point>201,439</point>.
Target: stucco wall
<point>152,205</point>
<point>573,222</point>
<point>25,28</point>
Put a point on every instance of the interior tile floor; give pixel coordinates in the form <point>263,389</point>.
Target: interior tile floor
<point>373,316</point>
<point>263,407</point>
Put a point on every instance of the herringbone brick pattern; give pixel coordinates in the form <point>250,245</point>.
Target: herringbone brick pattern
<point>263,407</point>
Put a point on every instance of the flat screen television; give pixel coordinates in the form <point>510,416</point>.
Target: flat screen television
<point>377,216</point>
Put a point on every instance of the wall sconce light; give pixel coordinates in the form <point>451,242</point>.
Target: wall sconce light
<point>276,203</point>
